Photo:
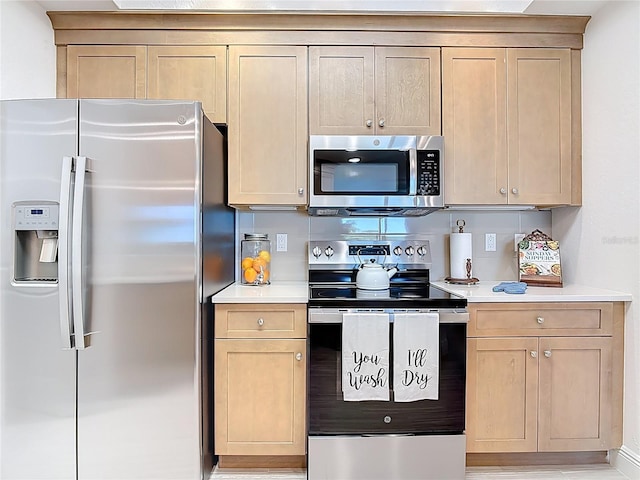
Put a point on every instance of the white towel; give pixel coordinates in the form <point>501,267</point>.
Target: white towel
<point>416,342</point>
<point>365,357</point>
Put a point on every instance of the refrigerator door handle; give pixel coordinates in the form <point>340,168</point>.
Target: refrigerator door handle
<point>77,250</point>
<point>66,326</point>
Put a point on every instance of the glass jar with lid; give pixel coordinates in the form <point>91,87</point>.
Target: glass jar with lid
<point>255,259</point>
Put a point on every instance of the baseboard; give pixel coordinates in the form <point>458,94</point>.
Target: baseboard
<point>535,458</point>
<point>262,461</point>
<point>625,461</point>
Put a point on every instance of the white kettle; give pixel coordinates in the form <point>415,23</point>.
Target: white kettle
<point>373,276</point>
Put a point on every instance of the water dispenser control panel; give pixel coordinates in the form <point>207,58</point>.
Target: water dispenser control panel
<point>36,217</point>
<point>35,226</point>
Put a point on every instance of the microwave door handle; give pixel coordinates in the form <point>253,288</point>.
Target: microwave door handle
<point>413,171</point>
<point>77,254</point>
<point>66,330</point>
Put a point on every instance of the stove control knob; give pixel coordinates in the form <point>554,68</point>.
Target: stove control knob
<point>328,252</point>
<point>397,251</point>
<point>316,252</point>
<point>409,251</point>
<point>422,251</point>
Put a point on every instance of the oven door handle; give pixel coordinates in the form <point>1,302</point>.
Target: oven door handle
<point>334,315</point>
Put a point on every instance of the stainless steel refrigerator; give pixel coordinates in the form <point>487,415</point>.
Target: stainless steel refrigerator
<point>114,233</point>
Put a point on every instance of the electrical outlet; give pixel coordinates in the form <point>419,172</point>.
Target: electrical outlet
<point>490,242</point>
<point>281,242</point>
<point>517,238</point>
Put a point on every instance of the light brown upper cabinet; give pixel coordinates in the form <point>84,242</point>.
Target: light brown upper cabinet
<point>190,73</point>
<point>267,125</point>
<point>374,90</point>
<point>102,71</point>
<point>507,124</point>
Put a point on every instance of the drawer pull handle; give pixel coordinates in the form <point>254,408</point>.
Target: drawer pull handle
<point>540,320</point>
<point>298,356</point>
<point>547,353</point>
<point>534,354</point>
<point>260,321</point>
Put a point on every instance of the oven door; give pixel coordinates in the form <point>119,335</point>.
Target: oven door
<point>373,440</point>
<point>329,414</point>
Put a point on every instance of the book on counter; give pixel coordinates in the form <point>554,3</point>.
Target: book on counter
<point>539,260</point>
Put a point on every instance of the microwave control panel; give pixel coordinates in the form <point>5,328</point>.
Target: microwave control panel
<point>428,172</point>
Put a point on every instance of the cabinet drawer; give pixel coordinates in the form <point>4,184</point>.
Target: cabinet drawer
<point>540,319</point>
<point>261,321</point>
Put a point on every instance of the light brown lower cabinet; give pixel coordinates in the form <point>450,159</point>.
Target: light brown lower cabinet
<point>544,377</point>
<point>260,381</point>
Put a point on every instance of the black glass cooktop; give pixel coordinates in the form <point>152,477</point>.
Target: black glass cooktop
<point>408,289</point>
<point>405,296</point>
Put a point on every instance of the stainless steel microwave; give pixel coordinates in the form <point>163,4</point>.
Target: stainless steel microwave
<point>386,175</point>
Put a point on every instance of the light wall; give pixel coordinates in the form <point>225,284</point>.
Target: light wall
<point>27,52</point>
<point>436,227</point>
<point>603,235</point>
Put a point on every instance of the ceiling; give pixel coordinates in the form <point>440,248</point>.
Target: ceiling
<point>542,7</point>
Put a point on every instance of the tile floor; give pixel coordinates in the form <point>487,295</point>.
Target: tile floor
<point>567,472</point>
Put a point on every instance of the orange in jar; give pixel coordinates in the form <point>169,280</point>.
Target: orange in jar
<point>250,275</point>
<point>265,255</point>
<point>259,264</point>
<point>247,262</point>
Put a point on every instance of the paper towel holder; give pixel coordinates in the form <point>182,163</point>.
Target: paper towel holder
<point>463,281</point>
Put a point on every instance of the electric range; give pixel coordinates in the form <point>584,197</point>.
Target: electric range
<point>375,440</point>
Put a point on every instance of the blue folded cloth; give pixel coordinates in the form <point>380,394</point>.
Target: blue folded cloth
<point>510,287</point>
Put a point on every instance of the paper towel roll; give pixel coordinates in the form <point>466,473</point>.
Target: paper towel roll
<point>460,250</point>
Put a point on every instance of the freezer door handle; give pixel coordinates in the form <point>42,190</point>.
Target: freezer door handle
<point>77,250</point>
<point>66,328</point>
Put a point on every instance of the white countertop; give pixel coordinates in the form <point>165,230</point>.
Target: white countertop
<point>298,292</point>
<point>280,292</point>
<point>482,292</point>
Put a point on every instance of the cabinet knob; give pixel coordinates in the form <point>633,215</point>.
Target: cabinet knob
<point>369,123</point>
<point>547,353</point>
<point>298,356</point>
<point>534,354</point>
<point>301,191</point>
<point>514,191</point>
<point>540,320</point>
<point>503,191</point>
<point>381,122</point>
<point>261,321</point>
<point>387,419</point>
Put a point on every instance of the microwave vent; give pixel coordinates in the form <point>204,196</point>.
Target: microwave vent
<point>371,212</point>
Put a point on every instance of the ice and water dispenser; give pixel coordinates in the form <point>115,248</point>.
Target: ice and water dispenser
<point>35,226</point>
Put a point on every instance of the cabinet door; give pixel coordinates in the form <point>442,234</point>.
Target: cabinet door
<point>106,71</point>
<point>190,73</point>
<point>407,84</point>
<point>539,127</point>
<point>260,397</point>
<point>502,389</point>
<point>575,394</point>
<point>474,94</point>
<point>341,91</point>
<point>267,125</point>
